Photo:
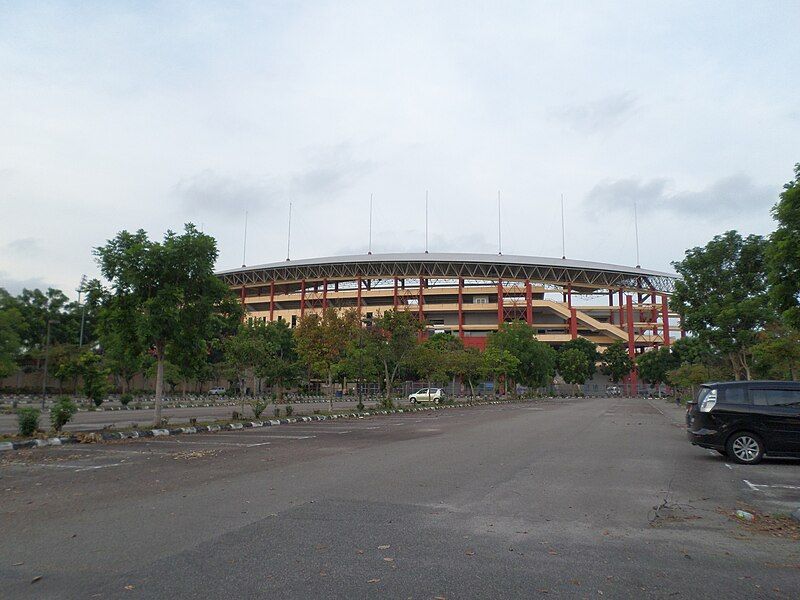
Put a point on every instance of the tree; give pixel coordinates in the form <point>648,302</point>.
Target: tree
<point>573,365</point>
<point>468,364</point>
<point>428,364</point>
<point>655,365</point>
<point>776,355</point>
<point>360,360</point>
<point>244,353</point>
<point>94,377</point>
<point>783,253</point>
<point>616,362</point>
<point>322,339</point>
<point>588,348</point>
<point>11,333</point>
<point>722,296</point>
<point>65,359</point>
<point>689,376</point>
<point>497,363</point>
<point>536,361</point>
<point>171,289</point>
<point>396,332</point>
<point>280,365</point>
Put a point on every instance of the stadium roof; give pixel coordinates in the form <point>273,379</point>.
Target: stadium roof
<point>560,271</point>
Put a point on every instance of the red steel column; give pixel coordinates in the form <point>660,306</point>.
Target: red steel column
<point>271,299</point>
<point>358,294</point>
<point>653,313</point>
<point>631,346</point>
<point>610,307</point>
<point>394,299</point>
<point>324,293</point>
<point>665,319</point>
<point>569,295</point>
<point>499,302</point>
<point>302,298</point>
<point>420,304</point>
<point>573,323</point>
<point>461,308</point>
<point>621,309</point>
<point>528,302</point>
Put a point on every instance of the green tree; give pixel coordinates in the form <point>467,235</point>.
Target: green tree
<point>688,376</point>
<point>322,339</point>
<point>244,353</point>
<point>468,364</point>
<point>94,377</point>
<point>722,296</point>
<point>776,355</point>
<point>573,365</point>
<point>588,348</point>
<point>497,363</point>
<point>11,334</point>
<point>171,288</point>
<point>616,362</point>
<point>536,361</point>
<point>65,361</point>
<point>280,368</point>
<point>654,366</point>
<point>783,253</point>
<point>397,334</point>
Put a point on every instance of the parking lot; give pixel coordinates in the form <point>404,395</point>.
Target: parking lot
<point>573,498</point>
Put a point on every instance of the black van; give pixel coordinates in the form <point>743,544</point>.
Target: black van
<point>744,420</point>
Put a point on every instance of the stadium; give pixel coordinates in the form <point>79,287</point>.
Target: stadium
<point>469,295</point>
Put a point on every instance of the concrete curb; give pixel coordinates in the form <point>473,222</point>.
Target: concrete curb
<point>134,434</point>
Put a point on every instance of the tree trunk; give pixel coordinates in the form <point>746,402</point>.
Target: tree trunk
<point>330,389</point>
<point>471,389</point>
<point>159,387</point>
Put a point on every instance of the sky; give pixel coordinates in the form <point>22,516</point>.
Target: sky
<point>129,115</point>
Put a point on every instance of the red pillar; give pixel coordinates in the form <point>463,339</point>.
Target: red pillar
<point>665,319</point>
<point>634,380</point>
<point>271,300</point>
<point>461,308</point>
<point>621,309</point>
<point>573,323</point>
<point>569,295</point>
<point>358,295</point>
<point>653,313</point>
<point>528,302</point>
<point>324,293</point>
<point>420,305</point>
<point>302,298</point>
<point>500,302</point>
<point>394,297</point>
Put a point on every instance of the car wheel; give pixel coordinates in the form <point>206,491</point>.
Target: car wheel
<point>745,448</point>
<point>412,400</point>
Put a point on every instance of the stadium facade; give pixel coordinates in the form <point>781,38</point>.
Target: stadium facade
<point>469,295</point>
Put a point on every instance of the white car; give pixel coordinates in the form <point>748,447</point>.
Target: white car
<point>217,391</point>
<point>426,395</point>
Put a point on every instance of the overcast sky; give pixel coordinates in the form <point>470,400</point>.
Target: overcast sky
<point>128,115</point>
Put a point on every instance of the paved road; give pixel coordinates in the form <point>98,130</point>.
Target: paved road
<point>550,499</point>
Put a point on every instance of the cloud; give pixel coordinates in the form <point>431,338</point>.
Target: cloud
<point>330,172</point>
<point>211,192</point>
<point>326,175</point>
<point>28,246</point>
<point>729,196</point>
<point>601,115</point>
<point>15,286</point>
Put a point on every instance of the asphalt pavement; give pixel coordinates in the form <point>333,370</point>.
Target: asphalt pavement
<point>591,498</point>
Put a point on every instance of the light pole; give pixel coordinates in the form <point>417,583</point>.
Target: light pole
<point>82,288</point>
<point>46,357</point>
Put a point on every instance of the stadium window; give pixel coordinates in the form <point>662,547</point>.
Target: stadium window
<point>480,300</point>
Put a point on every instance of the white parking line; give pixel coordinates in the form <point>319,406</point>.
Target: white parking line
<point>92,468</point>
<point>213,443</point>
<point>781,486</point>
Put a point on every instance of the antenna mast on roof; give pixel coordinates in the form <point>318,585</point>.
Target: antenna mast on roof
<point>636,230</point>
<point>563,234</point>
<point>244,245</point>
<point>369,250</point>
<point>289,235</point>
<point>426,221</point>
<point>499,228</point>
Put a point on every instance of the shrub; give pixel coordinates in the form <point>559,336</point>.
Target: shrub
<point>27,420</point>
<point>61,412</point>
<point>289,410</point>
<point>258,405</point>
<point>126,398</point>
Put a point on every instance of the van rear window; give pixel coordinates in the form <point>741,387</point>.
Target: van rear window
<point>735,395</point>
